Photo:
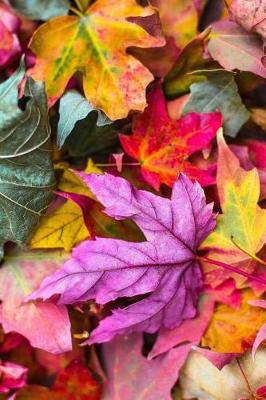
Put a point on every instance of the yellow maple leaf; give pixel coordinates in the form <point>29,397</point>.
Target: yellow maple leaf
<point>95,44</point>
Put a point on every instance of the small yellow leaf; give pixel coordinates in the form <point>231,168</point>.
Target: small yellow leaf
<point>65,227</point>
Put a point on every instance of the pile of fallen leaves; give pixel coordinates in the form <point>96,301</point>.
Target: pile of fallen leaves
<point>132,199</point>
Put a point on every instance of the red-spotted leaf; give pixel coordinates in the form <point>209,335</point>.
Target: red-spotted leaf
<point>164,266</point>
<point>163,146</point>
<point>132,377</point>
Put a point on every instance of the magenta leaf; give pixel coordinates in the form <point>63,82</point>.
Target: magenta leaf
<point>131,376</point>
<point>164,266</point>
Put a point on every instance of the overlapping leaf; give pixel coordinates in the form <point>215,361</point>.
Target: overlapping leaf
<point>19,276</point>
<point>26,177</point>
<point>164,265</point>
<point>241,228</point>
<point>162,146</point>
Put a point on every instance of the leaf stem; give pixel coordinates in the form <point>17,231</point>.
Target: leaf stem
<point>75,11</point>
<point>253,256</point>
<point>232,269</point>
<point>245,378</point>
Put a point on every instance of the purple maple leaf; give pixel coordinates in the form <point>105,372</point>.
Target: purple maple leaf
<point>164,267</point>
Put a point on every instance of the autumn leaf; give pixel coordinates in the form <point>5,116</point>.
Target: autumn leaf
<point>234,48</point>
<point>241,228</point>
<point>64,227</point>
<point>237,381</point>
<point>191,59</point>
<point>73,108</point>
<point>163,265</point>
<point>251,15</point>
<point>162,146</point>
<point>190,330</point>
<point>233,331</point>
<point>20,274</point>
<point>96,43</point>
<point>179,19</point>
<point>219,92</point>
<point>26,177</point>
<point>73,382</point>
<point>131,376</point>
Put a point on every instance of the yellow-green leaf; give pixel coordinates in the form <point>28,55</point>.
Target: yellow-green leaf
<point>95,44</point>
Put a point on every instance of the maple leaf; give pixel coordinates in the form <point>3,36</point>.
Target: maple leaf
<point>233,331</point>
<point>96,43</point>
<point>237,381</point>
<point>131,376</point>
<point>164,265</point>
<point>20,274</point>
<point>235,48</point>
<point>163,146</point>
<point>241,228</point>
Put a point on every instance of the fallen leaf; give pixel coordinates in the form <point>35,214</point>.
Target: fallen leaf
<point>200,379</point>
<point>131,376</point>
<point>64,227</point>
<point>75,382</point>
<point>233,331</point>
<point>180,78</point>
<point>234,48</point>
<point>20,274</point>
<point>163,146</point>
<point>27,177</point>
<point>241,228</point>
<point>251,15</point>
<point>179,19</point>
<point>190,330</point>
<point>68,224</point>
<point>163,265</point>
<point>219,92</point>
<point>73,108</point>
<point>96,44</point>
